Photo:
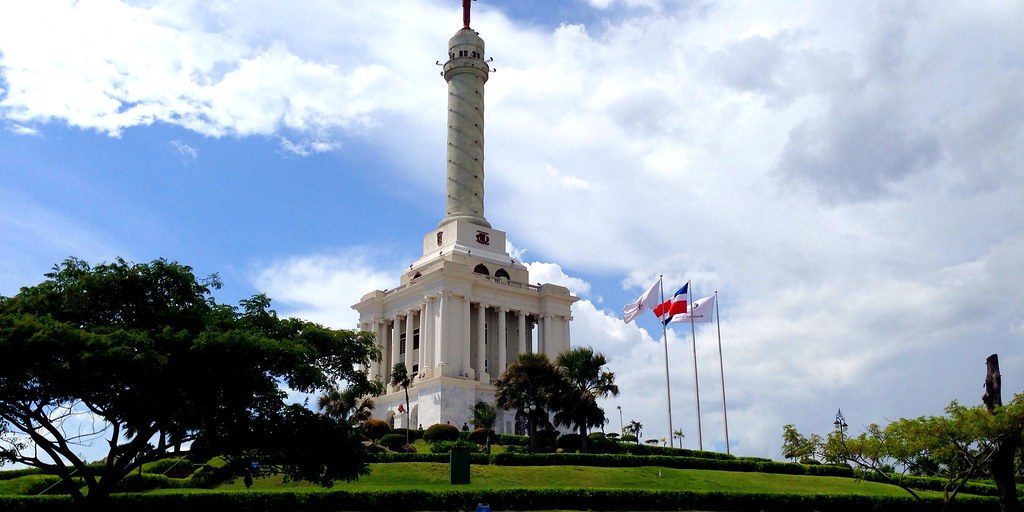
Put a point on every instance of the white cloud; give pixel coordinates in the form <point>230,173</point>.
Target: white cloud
<point>323,287</point>
<point>552,273</point>
<point>184,150</point>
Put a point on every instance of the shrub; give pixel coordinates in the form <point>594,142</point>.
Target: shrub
<point>629,438</point>
<point>170,467</point>
<point>18,473</point>
<point>614,436</point>
<point>441,432</point>
<point>134,482</point>
<point>447,446</point>
<point>479,436</point>
<point>376,429</point>
<point>513,440</point>
<point>413,434</point>
<point>569,442</point>
<point>393,442</point>
<point>591,459</point>
<point>596,436</point>
<point>545,440</point>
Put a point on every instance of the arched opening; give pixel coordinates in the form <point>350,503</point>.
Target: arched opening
<point>414,417</point>
<point>391,419</point>
<point>501,273</point>
<point>481,269</point>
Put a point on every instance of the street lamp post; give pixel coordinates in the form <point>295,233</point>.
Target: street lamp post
<point>530,408</point>
<point>840,423</point>
<point>622,428</point>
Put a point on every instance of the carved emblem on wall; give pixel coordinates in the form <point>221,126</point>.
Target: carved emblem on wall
<point>440,237</point>
<point>483,238</point>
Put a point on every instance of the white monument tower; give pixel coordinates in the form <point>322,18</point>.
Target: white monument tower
<point>465,310</point>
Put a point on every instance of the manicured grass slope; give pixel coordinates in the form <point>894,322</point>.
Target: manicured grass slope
<point>434,476</point>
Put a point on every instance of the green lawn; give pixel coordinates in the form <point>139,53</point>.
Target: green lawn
<point>424,475</point>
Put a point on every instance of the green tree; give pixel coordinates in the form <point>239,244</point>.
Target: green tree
<point>140,358</point>
<point>797,447</point>
<point>400,377</point>
<point>584,380</point>
<point>678,434</point>
<point>484,416</point>
<point>635,428</point>
<point>346,404</point>
<point>960,444</point>
<point>529,385</point>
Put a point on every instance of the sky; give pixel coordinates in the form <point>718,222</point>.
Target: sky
<point>847,176</point>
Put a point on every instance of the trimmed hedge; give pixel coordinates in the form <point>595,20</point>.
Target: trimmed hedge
<point>393,442</point>
<point>505,499</point>
<point>441,432</point>
<point>930,483</point>
<point>18,473</point>
<point>385,458</point>
<point>513,440</point>
<point>591,459</point>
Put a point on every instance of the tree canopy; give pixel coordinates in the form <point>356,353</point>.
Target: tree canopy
<point>141,358</point>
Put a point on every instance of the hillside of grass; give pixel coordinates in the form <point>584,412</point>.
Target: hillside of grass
<point>434,476</point>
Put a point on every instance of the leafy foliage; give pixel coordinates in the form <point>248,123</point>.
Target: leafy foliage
<point>376,429</point>
<point>584,381</point>
<point>441,432</point>
<point>142,358</point>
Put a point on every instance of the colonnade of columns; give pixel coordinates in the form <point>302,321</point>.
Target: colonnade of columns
<point>442,337</point>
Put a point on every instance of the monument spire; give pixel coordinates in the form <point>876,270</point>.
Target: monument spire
<point>466,72</point>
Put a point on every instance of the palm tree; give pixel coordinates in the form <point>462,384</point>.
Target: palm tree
<point>585,380</point>
<point>635,428</point>
<point>400,377</point>
<point>528,384</point>
<point>678,434</point>
<point>485,415</point>
<point>345,405</point>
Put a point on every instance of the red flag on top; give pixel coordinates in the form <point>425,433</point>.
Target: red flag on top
<point>677,305</point>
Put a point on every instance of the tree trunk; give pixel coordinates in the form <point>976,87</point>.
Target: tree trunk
<point>583,438</point>
<point>1002,464</point>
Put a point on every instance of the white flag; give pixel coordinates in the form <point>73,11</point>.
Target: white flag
<point>702,310</point>
<point>646,301</point>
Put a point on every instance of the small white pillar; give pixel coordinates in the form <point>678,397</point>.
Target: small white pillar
<point>502,342</point>
<point>481,343</point>
<point>522,332</point>
<point>467,368</point>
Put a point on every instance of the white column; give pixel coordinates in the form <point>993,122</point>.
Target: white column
<point>502,342</point>
<point>542,321</point>
<point>409,328</point>
<point>481,341</point>
<point>423,337</point>
<point>565,340</point>
<point>396,344</point>
<point>522,332</point>
<point>441,354</point>
<point>380,329</point>
<point>467,368</point>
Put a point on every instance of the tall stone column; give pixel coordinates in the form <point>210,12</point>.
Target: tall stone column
<point>410,328</point>
<point>396,343</point>
<point>481,343</point>
<point>565,335</point>
<point>382,344</point>
<point>442,353</point>
<point>542,322</point>
<point>466,72</point>
<point>502,341</point>
<point>466,369</point>
<point>522,332</point>
<point>424,344</point>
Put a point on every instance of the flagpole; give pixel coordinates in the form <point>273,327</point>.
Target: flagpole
<point>696,382</point>
<point>668,386</point>
<point>721,369</point>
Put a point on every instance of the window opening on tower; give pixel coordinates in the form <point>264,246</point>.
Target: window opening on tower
<point>481,269</point>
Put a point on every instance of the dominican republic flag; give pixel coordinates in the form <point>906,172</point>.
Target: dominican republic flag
<point>666,311</point>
